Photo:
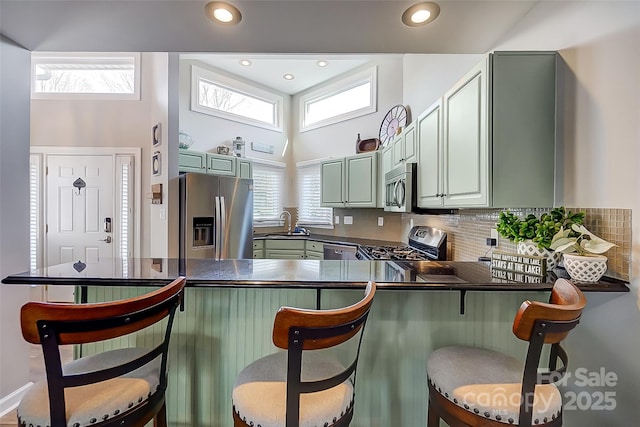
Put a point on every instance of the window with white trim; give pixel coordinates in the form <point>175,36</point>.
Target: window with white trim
<point>348,98</point>
<point>222,96</point>
<point>268,192</point>
<point>310,213</point>
<point>113,76</point>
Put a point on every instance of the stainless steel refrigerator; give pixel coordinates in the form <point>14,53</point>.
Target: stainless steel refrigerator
<point>216,217</point>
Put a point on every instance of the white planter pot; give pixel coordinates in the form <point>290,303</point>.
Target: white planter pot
<point>529,248</point>
<point>585,268</point>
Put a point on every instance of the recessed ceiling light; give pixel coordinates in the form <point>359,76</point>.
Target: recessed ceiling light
<point>245,62</point>
<point>420,14</point>
<point>322,63</point>
<point>223,13</point>
<point>288,76</point>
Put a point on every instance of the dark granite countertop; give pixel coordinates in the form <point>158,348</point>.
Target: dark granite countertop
<point>309,274</point>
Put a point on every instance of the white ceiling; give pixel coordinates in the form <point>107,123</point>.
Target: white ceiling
<point>282,36</point>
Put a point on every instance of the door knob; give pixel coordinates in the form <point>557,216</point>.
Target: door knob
<point>106,239</point>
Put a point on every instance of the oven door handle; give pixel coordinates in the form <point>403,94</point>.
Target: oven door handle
<point>400,193</point>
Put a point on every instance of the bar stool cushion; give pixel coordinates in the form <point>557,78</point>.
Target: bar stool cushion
<point>92,403</point>
<point>488,383</point>
<point>259,395</point>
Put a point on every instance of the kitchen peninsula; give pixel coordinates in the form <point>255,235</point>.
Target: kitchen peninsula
<point>230,305</point>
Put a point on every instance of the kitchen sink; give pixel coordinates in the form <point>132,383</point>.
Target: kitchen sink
<point>287,235</point>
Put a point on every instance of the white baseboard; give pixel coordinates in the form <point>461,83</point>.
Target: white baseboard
<point>10,402</point>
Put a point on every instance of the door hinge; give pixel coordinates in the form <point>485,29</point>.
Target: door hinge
<point>46,228</point>
<point>46,170</point>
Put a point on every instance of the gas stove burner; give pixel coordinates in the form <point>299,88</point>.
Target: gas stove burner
<point>425,244</point>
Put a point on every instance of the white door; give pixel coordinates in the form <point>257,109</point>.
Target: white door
<point>79,212</point>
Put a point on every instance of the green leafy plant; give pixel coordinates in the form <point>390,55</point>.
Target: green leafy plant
<point>583,242</point>
<point>539,230</point>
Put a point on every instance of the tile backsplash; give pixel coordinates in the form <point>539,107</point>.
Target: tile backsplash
<point>468,230</point>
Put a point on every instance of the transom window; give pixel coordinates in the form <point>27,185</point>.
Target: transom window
<point>218,95</point>
<point>348,98</point>
<point>85,76</point>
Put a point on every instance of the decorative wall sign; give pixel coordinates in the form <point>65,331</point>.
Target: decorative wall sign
<point>262,148</point>
<point>157,135</point>
<point>510,276</point>
<point>156,163</point>
<point>521,264</point>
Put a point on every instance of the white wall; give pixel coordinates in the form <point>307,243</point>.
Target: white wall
<point>427,77</point>
<point>14,202</point>
<point>158,214</point>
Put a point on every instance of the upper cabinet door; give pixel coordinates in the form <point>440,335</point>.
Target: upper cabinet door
<point>409,145</point>
<point>466,140</point>
<point>192,161</point>
<point>362,180</point>
<point>429,171</point>
<point>332,179</point>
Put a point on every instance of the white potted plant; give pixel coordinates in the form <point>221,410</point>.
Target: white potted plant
<point>582,254</point>
<point>533,235</point>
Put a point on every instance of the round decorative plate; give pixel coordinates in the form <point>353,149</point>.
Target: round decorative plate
<point>394,119</point>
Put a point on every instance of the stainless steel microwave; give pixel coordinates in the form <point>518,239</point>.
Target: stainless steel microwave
<point>400,186</point>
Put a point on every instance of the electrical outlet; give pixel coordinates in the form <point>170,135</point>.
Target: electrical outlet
<point>494,235</point>
<point>380,221</point>
<point>348,220</point>
<point>336,220</point>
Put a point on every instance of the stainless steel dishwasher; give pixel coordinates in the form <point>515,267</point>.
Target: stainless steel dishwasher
<point>332,251</point>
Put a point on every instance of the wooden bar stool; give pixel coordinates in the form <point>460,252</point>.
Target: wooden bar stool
<point>315,389</point>
<point>123,387</point>
<point>476,387</point>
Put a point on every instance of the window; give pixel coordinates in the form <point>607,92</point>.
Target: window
<point>268,192</point>
<point>35,252</point>
<point>85,76</point>
<point>227,98</point>
<point>310,213</point>
<point>351,97</point>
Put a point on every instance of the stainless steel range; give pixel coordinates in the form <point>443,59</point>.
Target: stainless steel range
<point>425,244</point>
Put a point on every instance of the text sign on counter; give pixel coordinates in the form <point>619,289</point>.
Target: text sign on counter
<point>520,264</point>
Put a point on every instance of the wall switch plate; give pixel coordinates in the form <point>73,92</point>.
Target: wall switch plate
<point>494,235</point>
<point>380,221</point>
<point>336,220</point>
<point>348,220</point>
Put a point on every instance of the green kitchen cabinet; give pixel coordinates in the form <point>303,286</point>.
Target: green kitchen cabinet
<point>430,159</point>
<point>496,147</point>
<point>314,250</point>
<point>214,164</point>
<point>405,146</point>
<point>351,181</point>
<point>332,177</point>
<point>192,161</point>
<point>285,248</point>
<point>258,249</point>
<point>244,168</point>
<point>220,164</point>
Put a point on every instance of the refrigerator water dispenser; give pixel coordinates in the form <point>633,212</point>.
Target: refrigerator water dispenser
<point>202,231</point>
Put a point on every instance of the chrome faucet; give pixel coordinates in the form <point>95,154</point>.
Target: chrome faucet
<point>289,215</point>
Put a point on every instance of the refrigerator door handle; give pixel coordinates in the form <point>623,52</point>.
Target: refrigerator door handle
<point>218,228</point>
<point>223,229</point>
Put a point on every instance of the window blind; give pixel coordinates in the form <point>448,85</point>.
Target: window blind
<point>268,193</point>
<point>310,213</point>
